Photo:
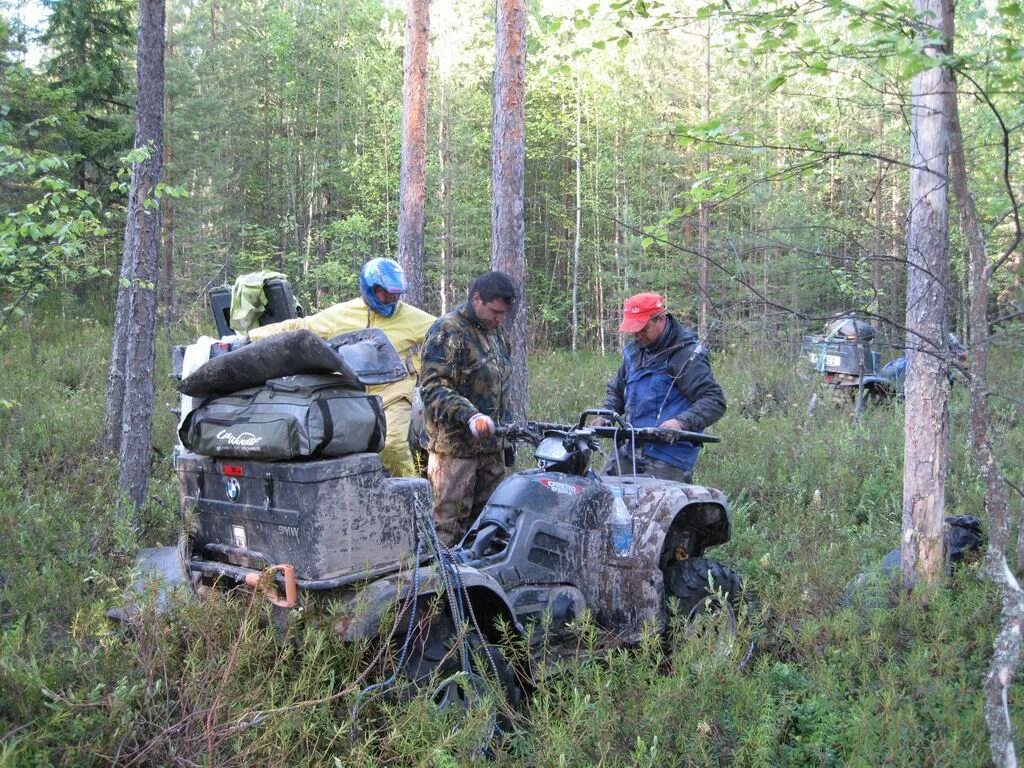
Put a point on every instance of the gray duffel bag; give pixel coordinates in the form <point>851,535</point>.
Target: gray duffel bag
<point>292,417</point>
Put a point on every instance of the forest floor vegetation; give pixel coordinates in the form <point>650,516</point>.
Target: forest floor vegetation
<point>816,499</point>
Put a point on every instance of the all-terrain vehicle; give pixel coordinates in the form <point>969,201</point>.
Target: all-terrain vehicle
<point>849,363</point>
<point>888,383</point>
<point>337,542</point>
<point>844,355</point>
<point>338,532</point>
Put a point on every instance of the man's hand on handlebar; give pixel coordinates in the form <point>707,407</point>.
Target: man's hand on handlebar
<point>602,418</point>
<point>670,424</point>
<point>481,426</point>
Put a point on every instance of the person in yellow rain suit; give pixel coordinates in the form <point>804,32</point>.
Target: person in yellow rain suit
<point>381,284</point>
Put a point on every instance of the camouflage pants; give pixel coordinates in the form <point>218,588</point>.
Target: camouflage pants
<point>645,465</point>
<point>461,487</point>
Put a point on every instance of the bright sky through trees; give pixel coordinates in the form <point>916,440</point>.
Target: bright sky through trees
<point>33,15</point>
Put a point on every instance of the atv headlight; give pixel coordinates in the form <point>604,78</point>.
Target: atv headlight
<point>551,451</point>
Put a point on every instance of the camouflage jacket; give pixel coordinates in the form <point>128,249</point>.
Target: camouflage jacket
<point>465,370</point>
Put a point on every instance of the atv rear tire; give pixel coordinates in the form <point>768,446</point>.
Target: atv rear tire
<point>702,587</point>
<point>435,663</point>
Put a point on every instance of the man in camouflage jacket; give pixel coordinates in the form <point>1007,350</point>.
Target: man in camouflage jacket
<point>465,385</point>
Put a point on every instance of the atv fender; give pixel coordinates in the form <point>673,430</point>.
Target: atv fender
<point>362,611</point>
<point>676,508</point>
<point>880,386</point>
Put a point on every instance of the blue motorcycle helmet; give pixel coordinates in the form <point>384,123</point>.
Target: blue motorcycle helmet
<point>388,275</point>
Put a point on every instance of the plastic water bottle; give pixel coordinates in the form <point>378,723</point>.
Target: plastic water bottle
<point>620,525</point>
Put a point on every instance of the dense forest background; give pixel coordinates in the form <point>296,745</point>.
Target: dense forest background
<point>751,160</point>
<point>786,128</point>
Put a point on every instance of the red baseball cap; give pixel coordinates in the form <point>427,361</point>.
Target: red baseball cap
<point>638,310</point>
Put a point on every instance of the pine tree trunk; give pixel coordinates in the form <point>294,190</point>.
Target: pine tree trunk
<point>412,191</point>
<point>508,153</point>
<point>142,253</point>
<point>167,215</point>
<point>705,209</point>
<point>927,388</point>
<point>577,234</point>
<point>444,152</point>
<point>115,373</point>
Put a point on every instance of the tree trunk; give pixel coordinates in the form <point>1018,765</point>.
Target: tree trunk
<point>508,158</point>
<point>579,215</point>
<point>413,172</point>
<point>115,373</point>
<point>167,215</point>
<point>877,287</point>
<point>1007,646</point>
<point>927,388</point>
<point>444,152</point>
<point>133,358</point>
<point>705,208</point>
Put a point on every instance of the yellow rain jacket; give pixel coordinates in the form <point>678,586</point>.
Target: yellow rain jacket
<point>405,330</point>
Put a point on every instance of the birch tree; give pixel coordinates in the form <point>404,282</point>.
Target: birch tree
<point>1007,646</point>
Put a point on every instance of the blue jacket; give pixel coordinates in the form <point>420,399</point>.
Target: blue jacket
<point>671,379</point>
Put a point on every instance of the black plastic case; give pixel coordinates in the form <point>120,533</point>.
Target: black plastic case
<point>329,518</point>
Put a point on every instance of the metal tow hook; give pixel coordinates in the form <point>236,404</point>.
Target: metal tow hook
<point>264,582</point>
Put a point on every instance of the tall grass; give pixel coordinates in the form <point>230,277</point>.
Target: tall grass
<point>816,499</point>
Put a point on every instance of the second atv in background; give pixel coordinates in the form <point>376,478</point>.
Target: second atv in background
<point>845,354</point>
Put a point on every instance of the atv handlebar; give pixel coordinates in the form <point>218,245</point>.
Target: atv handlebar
<point>534,431</point>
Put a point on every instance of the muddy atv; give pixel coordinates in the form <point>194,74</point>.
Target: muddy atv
<point>541,551</point>
<point>336,542</point>
<point>547,536</point>
<point>844,355</point>
<point>888,383</point>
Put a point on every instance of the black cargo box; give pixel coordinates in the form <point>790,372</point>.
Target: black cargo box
<point>834,355</point>
<point>314,515</point>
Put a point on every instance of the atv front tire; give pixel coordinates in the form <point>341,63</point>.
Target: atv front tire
<point>702,586</point>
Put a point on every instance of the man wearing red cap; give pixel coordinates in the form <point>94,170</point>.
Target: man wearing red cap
<point>665,380</point>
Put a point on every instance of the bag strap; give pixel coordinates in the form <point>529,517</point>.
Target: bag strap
<point>377,405</point>
<point>325,413</point>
